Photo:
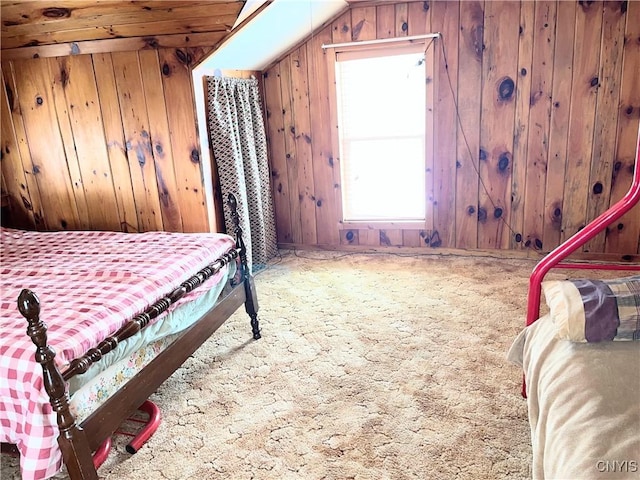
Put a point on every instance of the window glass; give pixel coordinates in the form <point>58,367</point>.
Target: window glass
<point>381,122</point>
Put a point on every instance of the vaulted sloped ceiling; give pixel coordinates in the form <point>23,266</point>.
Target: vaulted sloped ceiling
<point>258,43</point>
<point>79,26</point>
<point>51,28</point>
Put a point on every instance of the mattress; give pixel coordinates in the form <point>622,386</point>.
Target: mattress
<point>174,323</point>
<point>89,284</point>
<point>91,389</point>
<point>584,404</point>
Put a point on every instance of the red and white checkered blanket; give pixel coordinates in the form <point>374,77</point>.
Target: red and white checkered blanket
<point>89,284</point>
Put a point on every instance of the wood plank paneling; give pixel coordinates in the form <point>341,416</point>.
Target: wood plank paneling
<point>101,139</point>
<point>94,17</point>
<point>63,112</point>
<point>75,76</point>
<point>160,141</point>
<point>349,237</point>
<point>624,236</point>
<point>402,19</point>
<point>363,23</point>
<point>175,65</point>
<point>446,20</point>
<point>325,175</point>
<point>499,72</point>
<point>391,237</point>
<point>470,54</point>
<point>290,150</point>
<point>33,201</point>
<point>412,238</point>
<point>521,131</point>
<point>48,162</point>
<point>86,13</point>
<point>584,92</point>
<point>561,95</point>
<point>135,30</point>
<point>115,45</point>
<point>369,236</point>
<point>386,21</point>
<point>14,182</point>
<point>301,132</point>
<point>115,142</point>
<point>27,23</point>
<point>277,153</point>
<point>419,17</point>
<point>537,144</point>
<point>135,123</point>
<point>517,146</point>
<point>606,125</point>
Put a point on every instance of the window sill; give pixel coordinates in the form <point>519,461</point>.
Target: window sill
<point>369,224</point>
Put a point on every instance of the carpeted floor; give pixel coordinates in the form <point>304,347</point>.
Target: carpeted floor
<point>370,367</point>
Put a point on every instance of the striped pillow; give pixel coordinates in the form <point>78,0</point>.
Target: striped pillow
<point>587,310</point>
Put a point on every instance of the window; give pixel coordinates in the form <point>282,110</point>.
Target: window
<point>381,113</point>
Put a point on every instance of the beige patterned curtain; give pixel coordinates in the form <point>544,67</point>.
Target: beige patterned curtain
<point>236,128</point>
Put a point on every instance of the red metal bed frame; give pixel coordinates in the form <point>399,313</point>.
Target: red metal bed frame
<point>150,426</point>
<point>555,257</point>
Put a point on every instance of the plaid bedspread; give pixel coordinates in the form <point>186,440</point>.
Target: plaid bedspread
<point>89,284</point>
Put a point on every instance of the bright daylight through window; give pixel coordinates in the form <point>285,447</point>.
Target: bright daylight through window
<point>381,122</point>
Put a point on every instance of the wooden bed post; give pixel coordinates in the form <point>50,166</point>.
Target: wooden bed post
<point>251,304</point>
<point>72,441</point>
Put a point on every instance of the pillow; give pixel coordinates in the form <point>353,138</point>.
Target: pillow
<point>585,310</point>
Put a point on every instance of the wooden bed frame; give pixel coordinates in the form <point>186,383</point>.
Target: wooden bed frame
<point>78,441</point>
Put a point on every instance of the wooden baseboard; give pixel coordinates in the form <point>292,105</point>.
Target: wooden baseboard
<point>533,255</point>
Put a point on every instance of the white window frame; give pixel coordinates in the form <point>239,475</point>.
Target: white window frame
<point>355,50</point>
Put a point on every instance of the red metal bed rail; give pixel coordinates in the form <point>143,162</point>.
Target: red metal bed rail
<point>139,439</point>
<point>570,245</point>
<point>596,226</point>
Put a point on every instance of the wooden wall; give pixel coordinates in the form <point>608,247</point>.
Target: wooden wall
<point>542,140</point>
<point>103,141</point>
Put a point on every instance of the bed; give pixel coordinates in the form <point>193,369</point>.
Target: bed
<point>583,404</point>
<point>120,313</point>
<point>581,361</point>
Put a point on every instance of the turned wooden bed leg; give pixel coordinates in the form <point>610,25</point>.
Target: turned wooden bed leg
<point>251,304</point>
<point>72,441</point>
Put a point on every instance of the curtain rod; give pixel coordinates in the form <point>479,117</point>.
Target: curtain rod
<point>383,40</point>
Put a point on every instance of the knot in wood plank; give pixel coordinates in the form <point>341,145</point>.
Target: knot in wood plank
<point>506,87</point>
<point>56,12</point>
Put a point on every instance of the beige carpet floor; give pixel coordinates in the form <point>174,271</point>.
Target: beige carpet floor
<point>373,366</point>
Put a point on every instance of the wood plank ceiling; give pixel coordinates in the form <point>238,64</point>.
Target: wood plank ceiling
<point>62,27</point>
